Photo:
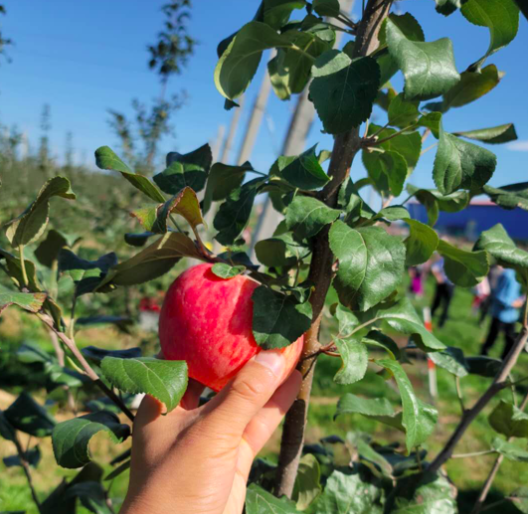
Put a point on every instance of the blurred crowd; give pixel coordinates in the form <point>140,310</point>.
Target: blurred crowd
<point>499,296</point>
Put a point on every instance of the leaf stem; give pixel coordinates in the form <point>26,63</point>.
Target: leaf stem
<point>459,394</point>
<point>88,370</point>
<point>472,454</point>
<point>429,148</point>
<point>388,138</point>
<point>23,266</point>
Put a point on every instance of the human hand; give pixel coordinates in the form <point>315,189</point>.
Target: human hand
<point>517,304</point>
<point>197,459</point>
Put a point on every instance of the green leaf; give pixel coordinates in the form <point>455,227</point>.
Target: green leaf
<point>307,216</point>
<point>483,366</point>
<point>32,457</point>
<point>276,13</point>
<point>222,180</point>
<point>407,24</point>
<point>185,203</point>
<point>354,355</point>
<point>290,70</point>
<point>98,354</point>
<point>461,165</point>
<point>347,492</point>
<point>371,264</point>
<point>308,482</point>
<point>447,7</point>
<point>508,420</point>
<point>509,197</point>
<point>452,359</point>
<point>326,7</point>
<point>303,171</point>
<point>347,320</point>
<point>106,159</point>
<point>164,380</point>
<point>500,16</point>
<point>493,135</point>
<point>464,268</point>
<point>498,243</point>
<point>380,340</point>
<point>420,244</point>
<point>226,271</point>
<point>31,224</point>
<point>152,262</point>
<point>403,318</point>
<point>510,450</point>
<point>185,170</point>
<point>259,501</point>
<point>352,203</point>
<point>472,86</point>
<point>392,213</point>
<point>343,90</point>
<point>352,404</point>
<point>276,251</point>
<point>48,250</point>
<point>31,302</point>
<point>234,213</point>
<point>92,496</point>
<point>26,415</point>
<point>418,418</point>
<point>432,121</point>
<point>7,431</point>
<point>278,319</point>
<point>238,64</point>
<point>71,438</point>
<point>402,113</point>
<point>428,68</point>
<point>387,169</point>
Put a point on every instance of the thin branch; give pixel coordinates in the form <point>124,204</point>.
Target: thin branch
<point>425,135</point>
<point>459,394</point>
<point>86,367</point>
<point>472,454</point>
<point>428,148</point>
<point>27,471</point>
<point>59,352</point>
<point>373,142</point>
<point>499,382</point>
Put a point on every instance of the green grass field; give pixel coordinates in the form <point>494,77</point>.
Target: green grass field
<point>461,331</point>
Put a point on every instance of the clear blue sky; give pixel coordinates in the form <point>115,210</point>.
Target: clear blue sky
<point>83,57</point>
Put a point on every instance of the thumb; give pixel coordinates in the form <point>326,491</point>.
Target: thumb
<point>248,392</point>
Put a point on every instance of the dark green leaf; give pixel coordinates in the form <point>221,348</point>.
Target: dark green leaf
<point>165,380</point>
<point>259,501</point>
<point>326,7</point>
<point>402,113</point>
<point>303,171</point>
<point>509,197</point>
<point>26,415</point>
<point>452,359</point>
<point>31,302</point>
<point>234,213</point>
<point>420,244</point>
<point>371,264</point>
<point>32,457</point>
<point>352,404</point>
<point>240,61</point>
<point>226,271</point>
<point>185,170</point>
<point>71,438</point>
<point>31,224</point>
<point>447,7</point>
<point>493,135</point>
<point>380,340</point>
<point>307,216</point>
<point>343,90</point>
<point>106,159</point>
<point>483,366</point>
<point>91,495</point>
<point>7,431</point>
<point>152,262</point>
<point>387,169</point>
<point>392,213</point>
<point>138,239</point>
<point>407,24</point>
<point>461,165</point>
<point>98,354</point>
<point>464,268</point>
<point>432,121</point>
<point>498,243</point>
<point>510,450</point>
<point>222,180</point>
<point>68,261</point>
<point>472,86</point>
<point>509,420</point>
<point>500,16</point>
<point>276,13</point>
<point>352,203</point>
<point>278,319</point>
<point>428,68</point>
<point>418,418</point>
<point>48,250</point>
<point>30,353</point>
<point>275,252</point>
<point>354,355</point>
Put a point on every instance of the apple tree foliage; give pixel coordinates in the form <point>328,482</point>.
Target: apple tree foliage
<point>324,219</point>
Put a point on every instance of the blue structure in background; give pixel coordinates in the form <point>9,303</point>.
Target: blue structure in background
<point>478,216</point>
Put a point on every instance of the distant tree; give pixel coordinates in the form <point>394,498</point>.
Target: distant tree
<point>3,40</point>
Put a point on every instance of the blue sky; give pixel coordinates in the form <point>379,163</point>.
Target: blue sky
<point>84,57</point>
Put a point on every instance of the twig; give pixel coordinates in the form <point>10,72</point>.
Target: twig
<point>499,382</point>
<point>86,367</point>
<point>27,471</point>
<point>428,148</point>
<point>425,135</point>
<point>59,352</point>
<point>493,472</point>
<point>472,454</point>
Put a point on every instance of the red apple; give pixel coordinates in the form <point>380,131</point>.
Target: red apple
<point>206,321</point>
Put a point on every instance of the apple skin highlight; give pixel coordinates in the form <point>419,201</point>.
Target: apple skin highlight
<point>206,321</point>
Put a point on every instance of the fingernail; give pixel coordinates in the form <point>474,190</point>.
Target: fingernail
<point>272,360</point>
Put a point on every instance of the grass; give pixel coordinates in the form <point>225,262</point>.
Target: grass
<point>461,331</point>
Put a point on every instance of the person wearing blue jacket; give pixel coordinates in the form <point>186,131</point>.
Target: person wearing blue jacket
<point>507,299</point>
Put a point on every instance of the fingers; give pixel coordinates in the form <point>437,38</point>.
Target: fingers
<point>235,406</point>
<point>191,398</point>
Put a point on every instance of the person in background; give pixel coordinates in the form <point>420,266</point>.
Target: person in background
<point>493,277</point>
<point>506,301</point>
<point>444,291</point>
<point>481,294</point>
<point>416,285</point>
